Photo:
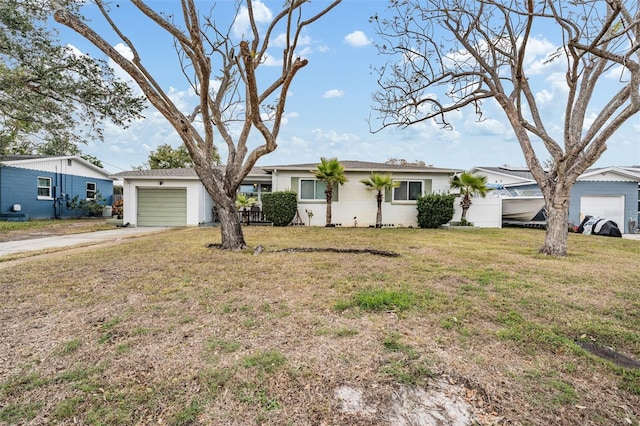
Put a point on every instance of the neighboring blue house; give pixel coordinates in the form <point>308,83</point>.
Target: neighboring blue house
<point>609,192</point>
<point>39,187</point>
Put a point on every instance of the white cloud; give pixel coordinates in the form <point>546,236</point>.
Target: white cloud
<point>357,39</point>
<point>544,97</point>
<point>281,40</point>
<point>538,58</point>
<point>261,14</point>
<point>333,93</point>
<point>124,50</point>
<point>334,137</point>
<point>270,61</point>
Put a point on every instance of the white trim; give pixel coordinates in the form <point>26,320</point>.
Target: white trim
<point>95,190</point>
<point>315,190</point>
<point>49,187</point>
<point>407,200</point>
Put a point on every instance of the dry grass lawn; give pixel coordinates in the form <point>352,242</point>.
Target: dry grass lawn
<point>15,231</point>
<point>162,329</point>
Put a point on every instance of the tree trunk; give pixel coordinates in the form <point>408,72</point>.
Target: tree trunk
<point>379,213</point>
<point>555,241</point>
<point>230,227</point>
<point>465,204</point>
<point>329,196</point>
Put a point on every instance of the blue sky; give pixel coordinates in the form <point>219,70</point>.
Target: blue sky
<point>330,100</point>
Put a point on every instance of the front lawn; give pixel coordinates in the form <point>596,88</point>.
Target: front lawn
<point>11,231</point>
<point>162,329</point>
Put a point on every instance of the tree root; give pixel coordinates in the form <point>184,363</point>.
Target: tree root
<point>260,249</point>
<point>383,253</point>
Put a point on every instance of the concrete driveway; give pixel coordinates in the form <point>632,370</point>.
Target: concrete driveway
<point>89,238</point>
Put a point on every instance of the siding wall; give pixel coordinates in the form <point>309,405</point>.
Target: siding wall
<point>199,204</point>
<point>354,200</point>
<point>595,188</point>
<point>483,213</point>
<point>20,186</point>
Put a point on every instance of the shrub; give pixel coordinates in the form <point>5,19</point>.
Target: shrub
<point>280,207</point>
<point>434,210</point>
<point>118,208</point>
<point>84,207</point>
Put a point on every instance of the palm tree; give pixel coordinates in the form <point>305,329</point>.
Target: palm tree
<point>330,171</point>
<point>469,185</point>
<point>379,183</point>
<point>243,202</point>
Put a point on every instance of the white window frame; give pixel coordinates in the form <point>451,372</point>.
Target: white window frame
<point>315,190</point>
<point>408,182</point>
<point>94,190</point>
<point>48,187</point>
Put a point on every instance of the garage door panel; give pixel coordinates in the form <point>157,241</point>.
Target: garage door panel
<point>162,207</point>
<point>607,207</point>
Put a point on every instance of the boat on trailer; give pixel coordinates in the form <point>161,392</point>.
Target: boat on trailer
<point>521,206</point>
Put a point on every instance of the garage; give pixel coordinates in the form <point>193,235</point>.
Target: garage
<point>162,207</point>
<point>607,207</point>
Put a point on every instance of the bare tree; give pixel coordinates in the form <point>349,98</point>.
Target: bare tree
<point>208,54</point>
<point>475,50</point>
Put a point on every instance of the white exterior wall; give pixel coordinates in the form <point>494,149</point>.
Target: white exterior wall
<point>59,165</point>
<point>483,213</point>
<point>499,178</point>
<point>606,177</point>
<point>354,200</point>
<point>198,202</point>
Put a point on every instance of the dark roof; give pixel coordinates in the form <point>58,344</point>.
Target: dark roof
<point>187,173</point>
<point>520,172</point>
<point>12,157</point>
<point>190,173</point>
<point>524,173</point>
<point>158,173</point>
<point>366,166</point>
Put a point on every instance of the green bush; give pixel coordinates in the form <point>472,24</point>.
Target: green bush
<point>434,210</point>
<point>85,207</point>
<point>280,207</point>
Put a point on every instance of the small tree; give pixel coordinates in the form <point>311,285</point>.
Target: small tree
<point>331,172</point>
<point>469,185</point>
<point>245,202</point>
<point>379,183</point>
<point>166,157</point>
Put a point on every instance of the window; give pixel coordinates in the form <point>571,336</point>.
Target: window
<point>44,188</point>
<point>91,191</point>
<point>265,187</point>
<point>407,191</point>
<point>311,189</point>
<point>255,190</point>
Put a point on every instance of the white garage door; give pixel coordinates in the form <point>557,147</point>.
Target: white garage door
<point>611,208</point>
<point>162,207</point>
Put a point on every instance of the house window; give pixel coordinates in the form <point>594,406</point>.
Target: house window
<point>255,190</point>
<point>311,189</point>
<point>44,188</point>
<point>407,191</point>
<point>91,191</point>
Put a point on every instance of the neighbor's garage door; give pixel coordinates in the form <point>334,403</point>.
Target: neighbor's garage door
<point>611,208</point>
<point>162,207</point>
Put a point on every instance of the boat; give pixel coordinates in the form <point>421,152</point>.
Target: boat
<point>522,209</point>
<point>520,206</point>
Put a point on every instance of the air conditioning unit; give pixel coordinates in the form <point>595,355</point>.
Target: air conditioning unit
<point>16,208</point>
